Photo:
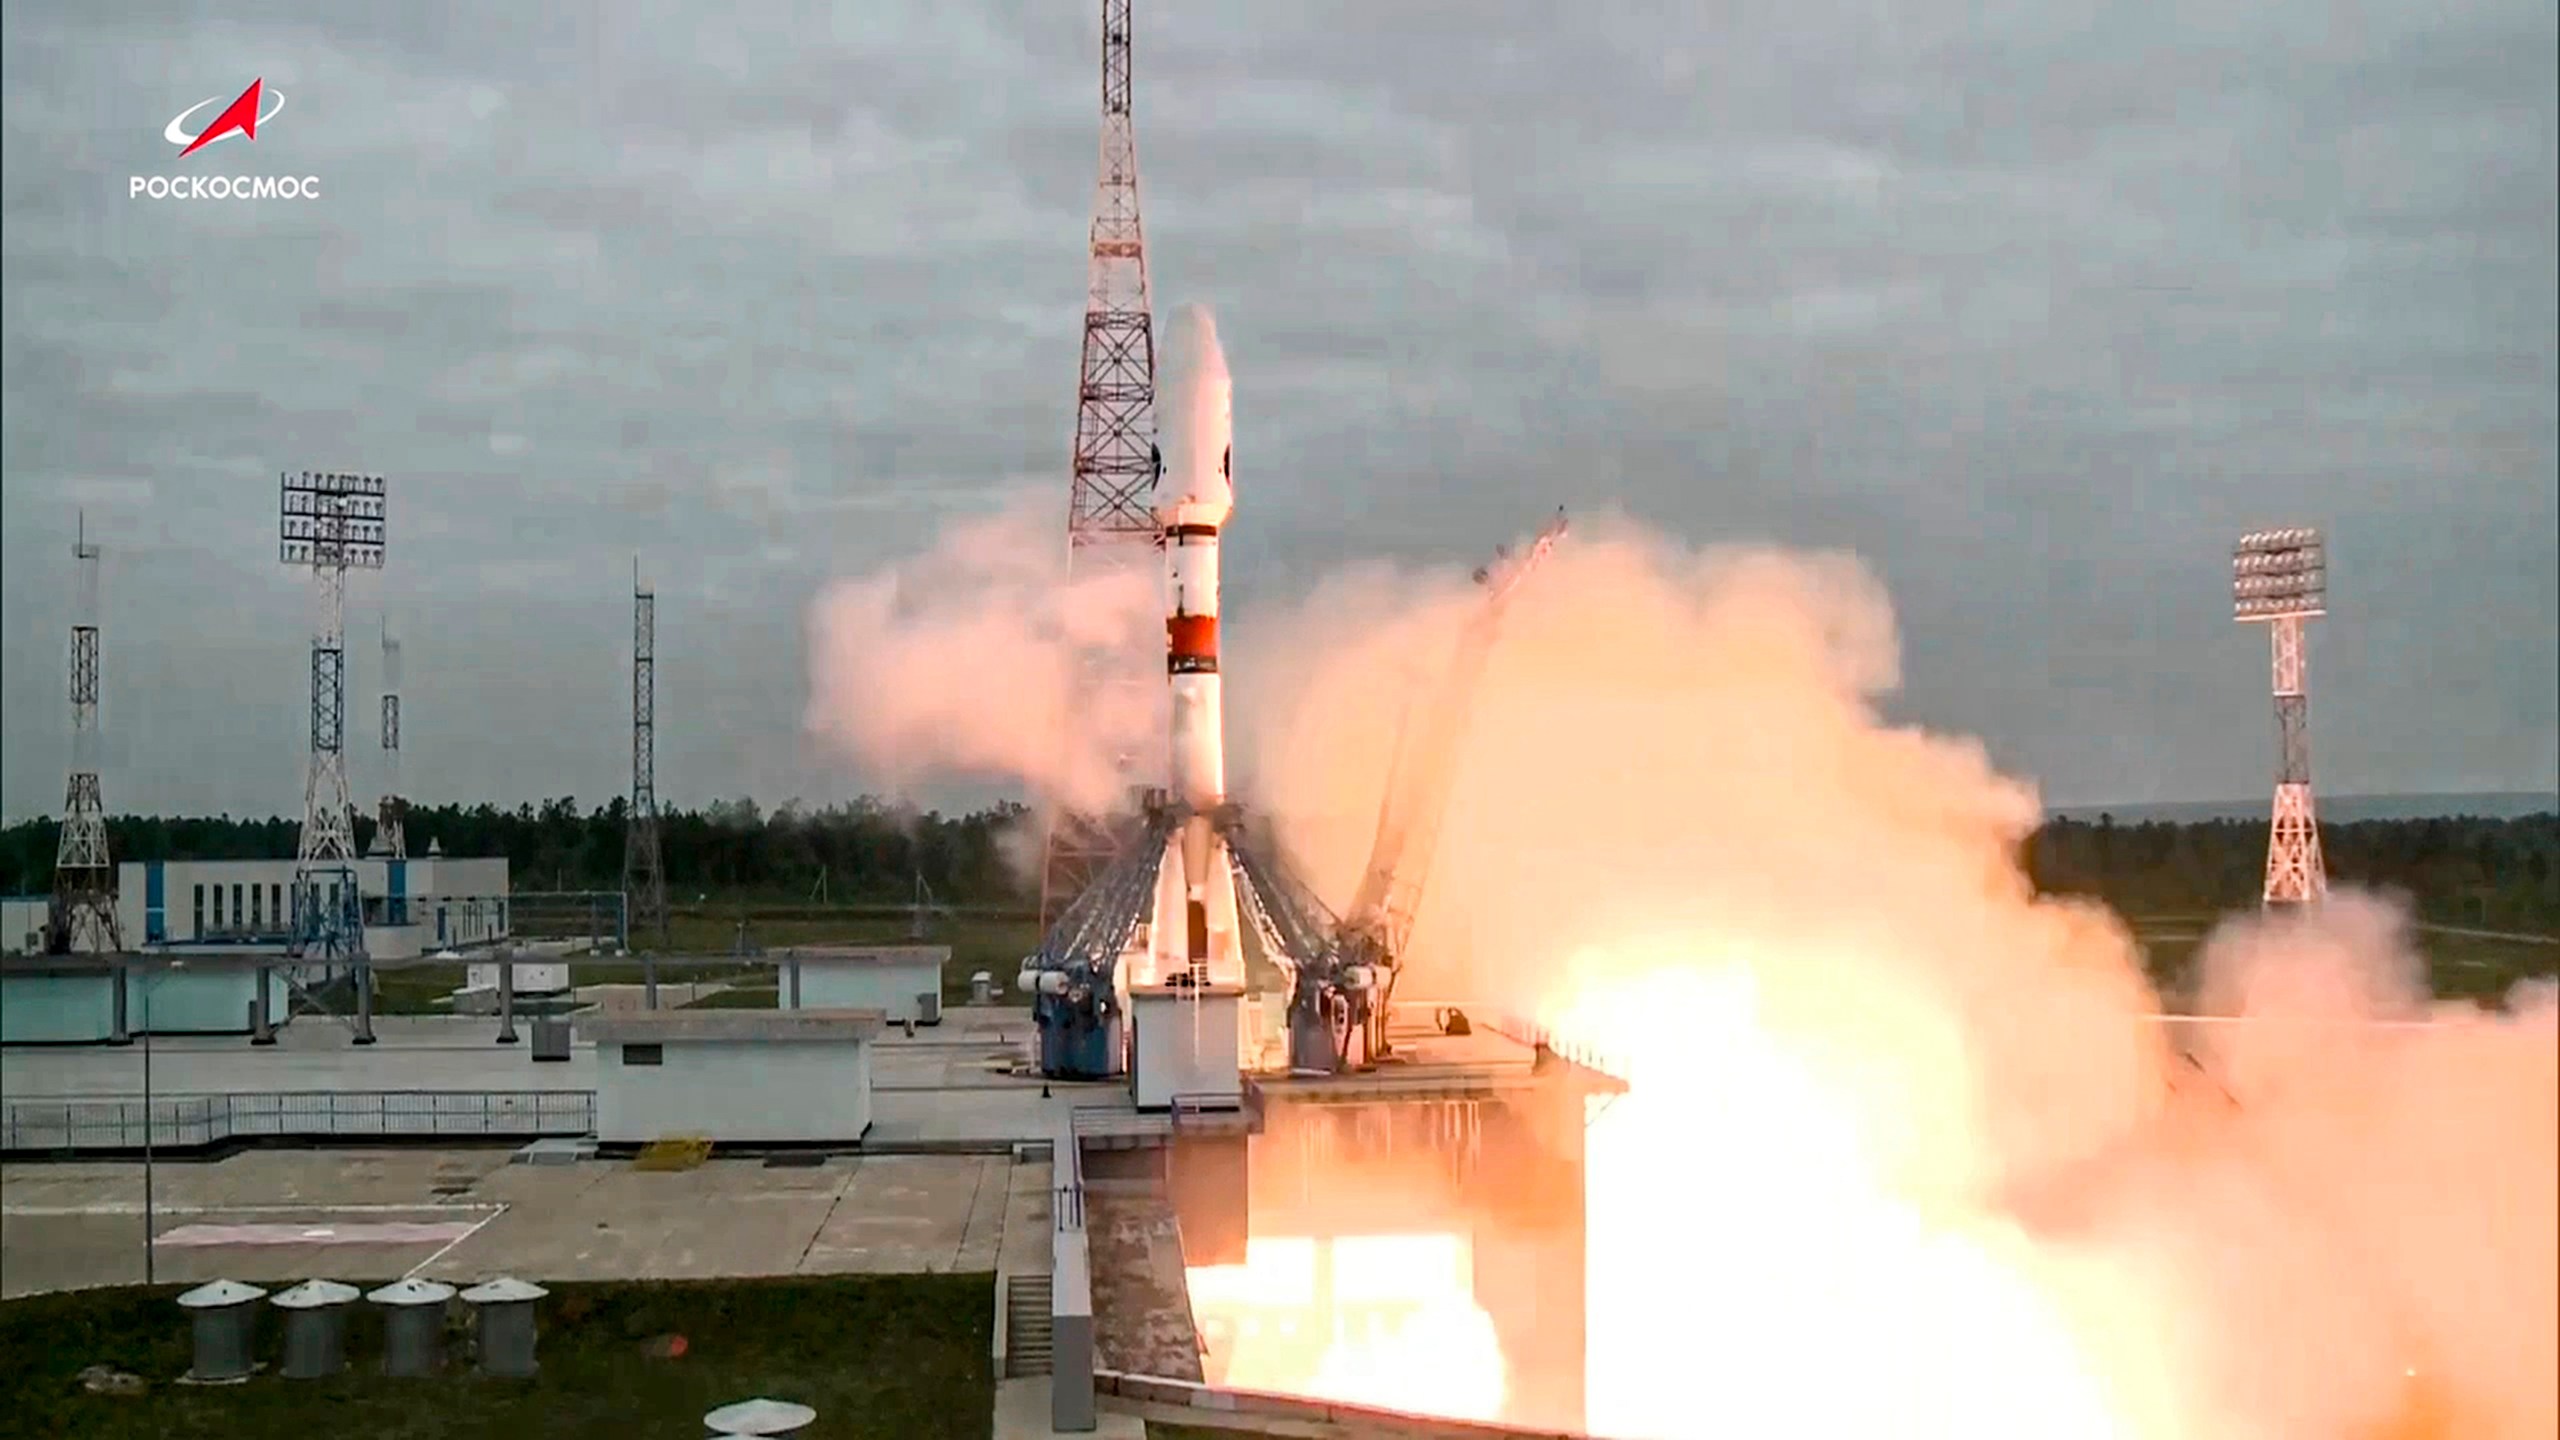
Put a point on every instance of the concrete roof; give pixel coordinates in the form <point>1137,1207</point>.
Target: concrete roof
<point>871,954</point>
<point>660,1026</point>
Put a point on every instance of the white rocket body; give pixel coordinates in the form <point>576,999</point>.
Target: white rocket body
<point>1195,924</point>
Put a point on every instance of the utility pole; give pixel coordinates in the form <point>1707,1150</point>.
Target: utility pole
<point>391,830</point>
<point>1111,523</point>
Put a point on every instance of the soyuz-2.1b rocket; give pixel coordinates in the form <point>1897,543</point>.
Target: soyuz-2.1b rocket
<point>1193,932</point>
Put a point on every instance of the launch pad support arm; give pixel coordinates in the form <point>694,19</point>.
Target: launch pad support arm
<point>1425,765</point>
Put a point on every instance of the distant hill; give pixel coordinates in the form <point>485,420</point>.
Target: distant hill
<point>2493,804</point>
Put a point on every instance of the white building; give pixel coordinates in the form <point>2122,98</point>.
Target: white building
<point>1183,1046</point>
<point>410,907</point>
<point>732,1075</point>
<point>902,982</point>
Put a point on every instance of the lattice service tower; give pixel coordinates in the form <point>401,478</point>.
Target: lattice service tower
<point>331,523</point>
<point>2279,578</point>
<point>644,876</point>
<point>1111,525</point>
<point>83,921</point>
<point>391,826</point>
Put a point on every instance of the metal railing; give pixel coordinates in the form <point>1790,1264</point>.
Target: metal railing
<point>184,1120</point>
<point>1538,1035</point>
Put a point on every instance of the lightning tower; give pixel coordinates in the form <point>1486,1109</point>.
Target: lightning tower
<point>644,877</point>
<point>331,523</point>
<point>391,829</point>
<point>84,905</point>
<point>2279,578</point>
<point>1111,524</point>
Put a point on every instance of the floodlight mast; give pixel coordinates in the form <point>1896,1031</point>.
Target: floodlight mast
<point>331,523</point>
<point>2279,578</point>
<point>83,918</point>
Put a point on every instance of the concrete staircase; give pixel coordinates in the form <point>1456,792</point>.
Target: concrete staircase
<point>1026,1325</point>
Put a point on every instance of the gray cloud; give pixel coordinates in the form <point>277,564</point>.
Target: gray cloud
<point>2035,305</point>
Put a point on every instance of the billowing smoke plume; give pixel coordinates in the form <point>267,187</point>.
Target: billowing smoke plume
<point>968,661</point>
<point>1901,1156</point>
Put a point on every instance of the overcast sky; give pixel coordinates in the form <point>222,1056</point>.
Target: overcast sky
<point>2035,304</point>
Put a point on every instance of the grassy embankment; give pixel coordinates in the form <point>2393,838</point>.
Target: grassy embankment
<point>876,1355</point>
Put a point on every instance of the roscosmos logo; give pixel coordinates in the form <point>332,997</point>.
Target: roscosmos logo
<point>255,107</point>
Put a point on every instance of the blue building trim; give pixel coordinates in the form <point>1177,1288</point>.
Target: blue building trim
<point>395,908</point>
<point>155,902</point>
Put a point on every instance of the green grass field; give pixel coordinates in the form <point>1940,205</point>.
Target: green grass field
<point>741,997</point>
<point>2465,967</point>
<point>876,1355</point>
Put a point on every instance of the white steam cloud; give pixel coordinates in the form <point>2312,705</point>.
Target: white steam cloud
<point>970,662</point>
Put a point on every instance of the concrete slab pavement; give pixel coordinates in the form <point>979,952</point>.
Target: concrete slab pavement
<point>72,1225</point>
<point>972,1047</point>
<point>1022,1413</point>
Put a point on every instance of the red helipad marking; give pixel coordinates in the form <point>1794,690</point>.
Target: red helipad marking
<point>385,1232</point>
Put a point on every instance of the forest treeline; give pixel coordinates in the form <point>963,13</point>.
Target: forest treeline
<point>732,850</point>
<point>2494,873</point>
<point>2497,874</point>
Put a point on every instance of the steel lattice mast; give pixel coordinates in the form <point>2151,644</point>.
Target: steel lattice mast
<point>391,830</point>
<point>644,877</point>
<point>1111,522</point>
<point>2279,578</point>
<point>331,523</point>
<point>84,905</point>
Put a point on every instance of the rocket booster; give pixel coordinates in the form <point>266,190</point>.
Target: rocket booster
<point>1196,903</point>
<point>1193,510</point>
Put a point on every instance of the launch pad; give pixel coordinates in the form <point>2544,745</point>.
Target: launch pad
<point>1432,1208</point>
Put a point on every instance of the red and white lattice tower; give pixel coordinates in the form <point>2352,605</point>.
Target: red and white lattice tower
<point>1111,524</point>
<point>2279,578</point>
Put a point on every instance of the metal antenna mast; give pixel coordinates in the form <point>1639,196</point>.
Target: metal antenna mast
<point>84,903</point>
<point>1111,523</point>
<point>2280,578</point>
<point>644,877</point>
<point>331,523</point>
<point>391,830</point>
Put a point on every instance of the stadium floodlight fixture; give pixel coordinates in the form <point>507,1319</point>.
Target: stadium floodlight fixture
<point>329,520</point>
<point>2279,573</point>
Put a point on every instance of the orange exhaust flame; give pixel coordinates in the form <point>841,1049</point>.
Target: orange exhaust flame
<point>1366,1319</point>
